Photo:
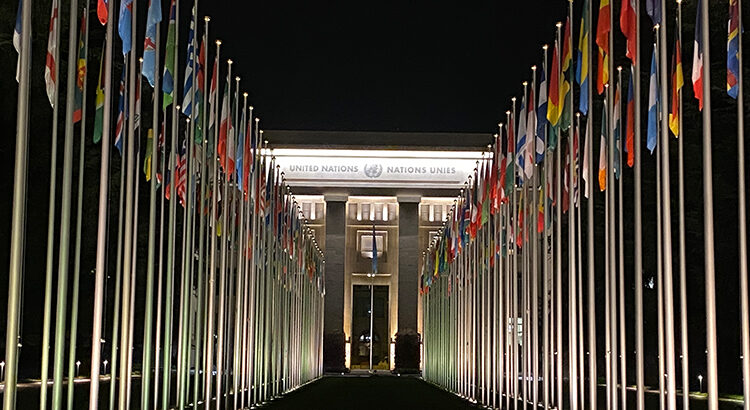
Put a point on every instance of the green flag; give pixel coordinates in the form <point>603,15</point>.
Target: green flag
<point>168,80</point>
<point>99,114</point>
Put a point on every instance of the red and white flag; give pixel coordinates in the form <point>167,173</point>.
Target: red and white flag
<point>50,69</point>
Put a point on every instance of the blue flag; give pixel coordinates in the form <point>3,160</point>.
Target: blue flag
<point>122,113</point>
<point>149,43</point>
<point>187,98</point>
<point>238,169</point>
<point>17,38</point>
<point>374,252</point>
<point>653,9</point>
<point>541,117</point>
<point>653,106</point>
<point>124,25</point>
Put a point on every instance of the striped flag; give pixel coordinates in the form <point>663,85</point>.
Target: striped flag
<point>628,27</point>
<point>554,106</point>
<point>224,133</point>
<point>582,66</point>
<point>677,83</point>
<point>733,48</point>
<point>121,112</point>
<point>603,151</point>
<point>187,98</point>
<point>565,74</point>
<point>102,11</point>
<point>50,68</point>
<point>653,105</point>
<point>587,160</point>
<point>99,113</point>
<point>149,42</point>
<point>697,75</point>
<point>630,124</point>
<point>521,143</point>
<point>81,74</point>
<point>238,165</point>
<point>167,85</point>
<point>124,25</point>
<point>541,117</point>
<point>602,40</point>
<point>181,178</point>
<point>17,38</point>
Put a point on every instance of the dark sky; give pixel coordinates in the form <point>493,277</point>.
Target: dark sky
<point>390,65</point>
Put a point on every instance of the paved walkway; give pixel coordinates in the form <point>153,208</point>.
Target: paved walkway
<point>369,392</point>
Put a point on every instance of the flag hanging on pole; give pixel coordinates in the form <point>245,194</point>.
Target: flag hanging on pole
<point>630,124</point>
<point>653,105</point>
<point>521,143</point>
<point>653,9</point>
<point>587,160</point>
<point>167,85</point>
<point>213,99</point>
<point>554,106</point>
<point>374,252</point>
<point>17,38</point>
<point>99,113</point>
<point>124,25</point>
<point>628,27</point>
<point>530,128</point>
<point>565,74</point>
<point>616,118</point>
<point>149,154</point>
<point>566,178</point>
<point>200,91</point>
<point>677,83</point>
<point>238,165</point>
<point>81,73</point>
<point>697,75</point>
<point>187,98</point>
<point>541,117</point>
<point>102,11</point>
<point>121,111</point>
<point>603,151</point>
<point>602,40</point>
<point>223,131</point>
<point>733,48</point>
<point>50,68</point>
<point>247,156</point>
<point>582,66</point>
<point>510,171</point>
<point>149,42</point>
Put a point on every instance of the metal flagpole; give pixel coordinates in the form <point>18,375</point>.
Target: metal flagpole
<point>534,253</point>
<point>79,216</point>
<point>64,249</point>
<point>607,279</point>
<point>50,219</point>
<point>621,250</point>
<point>611,224</point>
<point>17,236</point>
<point>160,280</point>
<point>660,282</point>
<point>240,265</point>
<point>558,256</point>
<point>572,332</point>
<point>638,223</point>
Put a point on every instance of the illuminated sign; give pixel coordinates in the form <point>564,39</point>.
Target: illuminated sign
<point>376,168</point>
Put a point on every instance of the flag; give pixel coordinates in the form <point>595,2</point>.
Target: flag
<point>541,117</point>
<point>200,91</point>
<point>630,124</point>
<point>554,106</point>
<point>238,165</point>
<point>616,119</point>
<point>149,154</point>
<point>582,66</point>
<point>17,38</point>
<point>149,42</point>
<point>677,83</point>
<point>510,170</point>
<point>653,106</point>
<point>602,40</point>
<point>81,73</point>
<point>587,160</point>
<point>181,179</point>
<point>121,112</point>
<point>102,11</point>
<point>167,85</point>
<point>213,98</point>
<point>565,74</point>
<point>603,151</point>
<point>50,68</point>
<point>697,76</point>
<point>137,115</point>
<point>374,252</point>
<point>733,48</point>
<point>628,27</point>
<point>248,156</point>
<point>187,98</point>
<point>540,213</point>
<point>124,24</point>
<point>653,9</point>
<point>226,119</point>
<point>99,113</point>
<point>521,142</point>
<point>531,138</point>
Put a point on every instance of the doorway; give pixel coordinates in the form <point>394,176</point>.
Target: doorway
<point>360,350</point>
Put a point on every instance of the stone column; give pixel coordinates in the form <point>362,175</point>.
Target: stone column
<point>408,261</point>
<point>335,251</point>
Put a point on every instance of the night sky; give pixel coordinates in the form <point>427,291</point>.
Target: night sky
<point>389,66</point>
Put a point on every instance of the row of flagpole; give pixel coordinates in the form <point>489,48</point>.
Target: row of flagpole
<point>254,336</point>
<point>481,274</point>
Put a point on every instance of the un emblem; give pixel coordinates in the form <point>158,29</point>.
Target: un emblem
<point>373,170</point>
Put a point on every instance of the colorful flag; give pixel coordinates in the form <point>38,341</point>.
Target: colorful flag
<point>99,113</point>
<point>17,38</point>
<point>102,11</point>
<point>81,73</point>
<point>554,105</point>
<point>149,43</point>
<point>630,124</point>
<point>200,91</point>
<point>602,40</point>
<point>226,119</point>
<point>603,151</point>
<point>566,74</point>
<point>582,66</point>
<point>213,98</point>
<point>149,154</point>
<point>181,179</point>
<point>238,165</point>
<point>530,128</point>
<point>247,156</point>
<point>50,68</point>
<point>167,85</point>
<point>521,142</point>
<point>541,117</point>
<point>187,98</point>
<point>733,48</point>
<point>121,112</point>
<point>653,106</point>
<point>587,160</point>
<point>566,178</point>
<point>653,9</point>
<point>697,76</point>
<point>510,170</point>
<point>616,118</point>
<point>677,83</point>
<point>628,27</point>
<point>124,25</point>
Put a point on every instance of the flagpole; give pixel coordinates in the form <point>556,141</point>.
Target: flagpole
<point>572,333</point>
<point>18,234</point>
<point>149,303</point>
<point>621,249</point>
<point>660,281</point>
<point>50,221</point>
<point>558,250</point>
<point>742,217</point>
<point>159,280</point>
<point>534,251</point>
<point>240,257</point>
<point>79,217</point>
<point>638,223</point>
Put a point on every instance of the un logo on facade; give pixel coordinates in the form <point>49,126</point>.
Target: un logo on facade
<point>373,170</point>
